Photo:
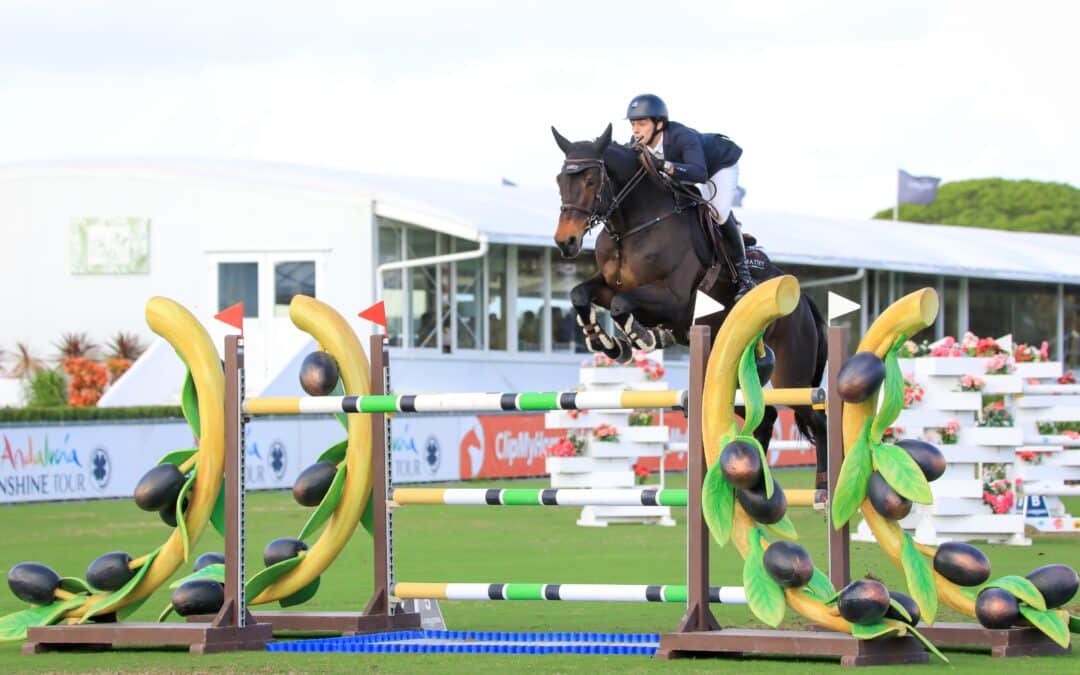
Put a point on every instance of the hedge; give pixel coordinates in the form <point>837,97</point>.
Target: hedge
<point>65,414</point>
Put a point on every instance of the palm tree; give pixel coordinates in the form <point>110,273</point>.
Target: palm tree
<point>125,346</point>
<point>25,363</point>
<point>75,346</point>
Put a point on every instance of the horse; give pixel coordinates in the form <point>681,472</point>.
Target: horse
<point>652,256</point>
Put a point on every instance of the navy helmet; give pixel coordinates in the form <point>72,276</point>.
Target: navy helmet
<point>647,106</point>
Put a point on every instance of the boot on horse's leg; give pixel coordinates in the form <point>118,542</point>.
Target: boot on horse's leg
<point>733,241</point>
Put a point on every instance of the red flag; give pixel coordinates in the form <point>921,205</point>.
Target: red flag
<point>234,316</point>
<point>375,314</point>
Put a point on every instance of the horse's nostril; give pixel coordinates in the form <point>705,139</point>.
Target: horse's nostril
<point>571,241</point>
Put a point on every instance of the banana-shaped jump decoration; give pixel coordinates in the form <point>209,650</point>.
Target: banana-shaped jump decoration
<point>742,502</point>
<point>115,582</point>
<point>956,573</point>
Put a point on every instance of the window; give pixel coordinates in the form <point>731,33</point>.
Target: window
<point>391,240</point>
<point>566,335</point>
<point>497,300</point>
<point>295,277</point>
<point>423,290</point>
<point>239,282</point>
<point>530,299</point>
<point>1072,327</point>
<point>1028,311</point>
<point>469,303</point>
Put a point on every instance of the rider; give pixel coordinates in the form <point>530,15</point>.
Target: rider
<point>710,160</point>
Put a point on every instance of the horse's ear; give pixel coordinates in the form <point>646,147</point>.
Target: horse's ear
<point>563,144</point>
<point>604,140</point>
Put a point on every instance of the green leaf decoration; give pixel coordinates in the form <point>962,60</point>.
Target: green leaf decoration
<point>920,579</point>
<point>1022,589</point>
<point>926,643</point>
<point>217,516</point>
<point>892,392</point>
<point>766,472</point>
<point>178,457</point>
<point>872,630</point>
<point>335,453</point>
<point>165,613</point>
<point>189,402</point>
<point>215,572</point>
<point>783,529</point>
<point>820,587</point>
<point>75,585</point>
<point>1074,624</point>
<point>367,519</point>
<point>181,518</point>
<point>13,627</point>
<point>326,507</point>
<point>261,581</point>
<point>343,419</point>
<point>753,399</point>
<point>764,596</point>
<point>854,475</point>
<point>900,609</point>
<point>833,598</point>
<point>339,390</point>
<point>303,595</point>
<point>902,473</point>
<point>111,601</point>
<point>1049,623</point>
<point>718,504</point>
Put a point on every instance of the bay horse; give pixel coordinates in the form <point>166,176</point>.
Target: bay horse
<point>652,255</point>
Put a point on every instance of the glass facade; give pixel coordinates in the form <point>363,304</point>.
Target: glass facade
<point>294,277</point>
<point>239,282</point>
<point>517,298</point>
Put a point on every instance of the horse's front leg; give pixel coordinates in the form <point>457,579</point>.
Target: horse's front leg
<point>584,297</point>
<point>637,313</point>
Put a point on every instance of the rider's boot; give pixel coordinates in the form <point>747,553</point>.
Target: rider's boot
<point>733,241</point>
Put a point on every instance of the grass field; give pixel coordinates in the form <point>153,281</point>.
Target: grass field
<point>474,544</point>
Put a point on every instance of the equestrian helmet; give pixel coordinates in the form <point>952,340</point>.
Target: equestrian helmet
<point>646,106</point>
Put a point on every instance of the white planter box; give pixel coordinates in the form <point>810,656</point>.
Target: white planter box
<point>953,400</point>
<point>1002,436</point>
<point>561,419</point>
<point>555,465</point>
<point>922,418</point>
<point>594,479</point>
<point>1042,370</point>
<point>628,451</point>
<point>961,365</point>
<point>1003,384</point>
<point>615,375</point>
<point>649,434</point>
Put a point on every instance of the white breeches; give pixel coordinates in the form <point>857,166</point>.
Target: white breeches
<point>720,191</point>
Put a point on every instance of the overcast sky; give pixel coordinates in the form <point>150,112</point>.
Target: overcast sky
<point>827,98</point>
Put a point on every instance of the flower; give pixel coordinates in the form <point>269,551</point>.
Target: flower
<point>88,380</point>
<point>969,342</point>
<point>606,433</point>
<point>913,391</point>
<point>971,383</point>
<point>641,471</point>
<point>995,415</point>
<point>891,433</point>
<point>641,418</point>
<point>999,365</point>
<point>998,495</point>
<point>950,432</point>
<point>572,445</point>
<point>988,347</point>
<point>1068,378</point>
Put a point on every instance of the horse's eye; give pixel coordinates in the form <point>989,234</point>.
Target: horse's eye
<point>590,182</point>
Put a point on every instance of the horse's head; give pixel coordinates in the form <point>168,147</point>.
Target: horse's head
<point>582,184</point>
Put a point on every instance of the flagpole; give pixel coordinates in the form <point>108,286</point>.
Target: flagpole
<point>896,206</point>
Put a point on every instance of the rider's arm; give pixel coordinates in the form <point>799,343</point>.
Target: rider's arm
<point>692,168</point>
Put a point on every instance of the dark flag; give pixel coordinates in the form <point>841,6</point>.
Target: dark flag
<point>740,192</point>
<point>916,189</point>
<point>508,183</point>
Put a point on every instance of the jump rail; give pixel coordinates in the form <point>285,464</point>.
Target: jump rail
<point>733,595</point>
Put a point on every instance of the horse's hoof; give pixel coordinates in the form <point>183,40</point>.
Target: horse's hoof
<point>821,499</point>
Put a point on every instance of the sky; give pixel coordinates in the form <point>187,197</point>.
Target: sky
<point>827,98</point>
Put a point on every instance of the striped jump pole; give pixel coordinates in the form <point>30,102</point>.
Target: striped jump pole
<point>503,402</point>
<point>402,590</point>
<point>557,497</point>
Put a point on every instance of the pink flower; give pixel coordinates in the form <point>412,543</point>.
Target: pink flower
<point>1044,351</point>
<point>970,342</point>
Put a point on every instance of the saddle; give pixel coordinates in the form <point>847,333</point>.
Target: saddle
<point>718,260</point>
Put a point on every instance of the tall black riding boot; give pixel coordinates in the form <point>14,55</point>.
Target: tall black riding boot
<point>733,241</point>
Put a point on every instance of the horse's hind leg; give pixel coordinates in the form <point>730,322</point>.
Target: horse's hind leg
<point>582,297</point>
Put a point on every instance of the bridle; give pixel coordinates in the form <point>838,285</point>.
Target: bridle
<point>599,215</point>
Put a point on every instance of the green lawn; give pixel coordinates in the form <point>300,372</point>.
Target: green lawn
<point>468,544</point>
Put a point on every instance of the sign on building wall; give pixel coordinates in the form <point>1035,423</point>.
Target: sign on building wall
<point>110,246</point>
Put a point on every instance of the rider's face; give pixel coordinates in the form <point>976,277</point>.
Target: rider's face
<point>643,130</point>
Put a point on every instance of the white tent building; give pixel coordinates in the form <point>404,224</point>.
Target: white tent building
<point>468,271</point>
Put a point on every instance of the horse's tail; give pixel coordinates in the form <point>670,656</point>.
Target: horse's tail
<point>803,422</point>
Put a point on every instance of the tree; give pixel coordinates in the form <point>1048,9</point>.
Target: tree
<point>1020,205</point>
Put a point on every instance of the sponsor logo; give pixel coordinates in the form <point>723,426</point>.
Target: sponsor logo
<point>276,460</point>
<point>432,454</point>
<point>100,467</point>
<point>506,446</point>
